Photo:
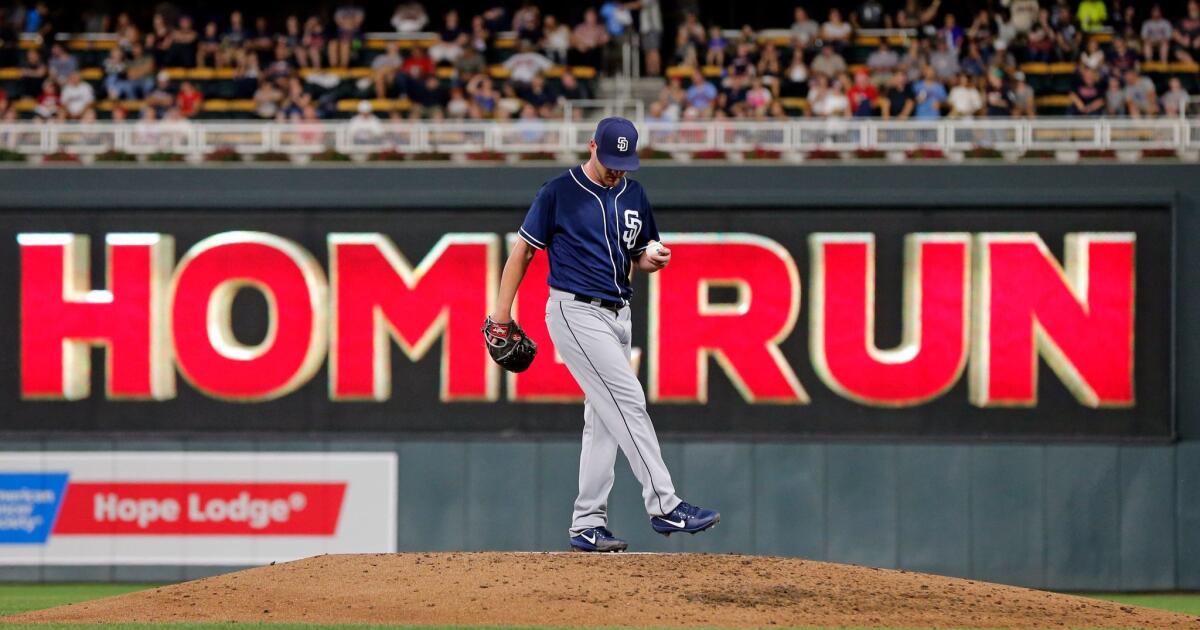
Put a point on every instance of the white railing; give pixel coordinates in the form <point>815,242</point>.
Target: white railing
<point>564,137</point>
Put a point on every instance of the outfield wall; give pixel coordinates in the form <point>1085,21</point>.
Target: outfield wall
<point>1108,499</point>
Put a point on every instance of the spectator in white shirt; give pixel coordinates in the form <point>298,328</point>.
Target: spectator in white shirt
<point>944,61</point>
<point>384,68</point>
<point>1093,57</point>
<point>364,127</point>
<point>409,17</point>
<point>805,30</point>
<point>883,60</point>
<point>526,64</point>
<point>1156,35</point>
<point>964,99</point>
<point>556,39</point>
<point>829,63</point>
<point>836,31</point>
<point>1024,15</point>
<point>827,100</point>
<point>1174,100</point>
<point>77,96</point>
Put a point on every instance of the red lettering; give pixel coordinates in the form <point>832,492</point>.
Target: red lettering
<point>61,317</point>
<point>933,348</point>
<point>206,281</point>
<point>1078,318</point>
<point>377,294</point>
<point>743,337</point>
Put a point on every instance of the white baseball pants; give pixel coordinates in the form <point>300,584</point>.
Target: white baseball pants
<point>594,342</point>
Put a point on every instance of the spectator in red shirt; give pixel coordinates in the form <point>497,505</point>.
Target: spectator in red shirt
<point>414,71</point>
<point>188,100</point>
<point>862,95</point>
<point>47,102</point>
<point>418,65</point>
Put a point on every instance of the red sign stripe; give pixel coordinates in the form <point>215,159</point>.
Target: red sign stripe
<point>201,509</point>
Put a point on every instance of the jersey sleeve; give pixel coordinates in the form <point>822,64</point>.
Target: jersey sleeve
<point>539,221</point>
<point>649,231</point>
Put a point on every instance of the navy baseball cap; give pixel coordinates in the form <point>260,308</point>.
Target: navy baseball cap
<point>616,144</point>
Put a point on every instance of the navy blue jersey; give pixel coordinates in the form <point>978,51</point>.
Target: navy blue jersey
<point>591,233</point>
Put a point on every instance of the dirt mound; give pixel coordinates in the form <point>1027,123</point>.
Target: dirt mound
<point>571,590</point>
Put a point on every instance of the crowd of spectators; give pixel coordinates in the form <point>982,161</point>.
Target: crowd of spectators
<point>946,66</point>
<point>266,59</point>
<point>943,69</point>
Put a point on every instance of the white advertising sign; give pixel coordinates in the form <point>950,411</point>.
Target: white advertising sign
<point>193,508</point>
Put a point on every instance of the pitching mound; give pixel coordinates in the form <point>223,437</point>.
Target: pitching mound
<point>573,590</point>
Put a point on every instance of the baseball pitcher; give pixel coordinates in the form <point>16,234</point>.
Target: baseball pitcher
<point>597,227</point>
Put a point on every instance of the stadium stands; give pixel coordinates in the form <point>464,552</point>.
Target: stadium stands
<point>526,67</point>
<point>243,68</point>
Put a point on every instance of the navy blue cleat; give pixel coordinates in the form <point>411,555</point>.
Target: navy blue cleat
<point>686,518</point>
<point>597,539</point>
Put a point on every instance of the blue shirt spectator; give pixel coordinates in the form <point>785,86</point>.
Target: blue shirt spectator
<point>702,93</point>
<point>929,94</point>
<point>33,20</point>
<point>616,17</point>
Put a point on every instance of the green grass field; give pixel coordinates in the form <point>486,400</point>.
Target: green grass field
<point>15,598</point>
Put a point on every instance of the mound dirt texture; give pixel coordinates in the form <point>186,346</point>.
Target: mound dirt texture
<point>579,590</point>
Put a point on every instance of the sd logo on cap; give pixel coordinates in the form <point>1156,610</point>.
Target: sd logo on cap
<point>616,144</point>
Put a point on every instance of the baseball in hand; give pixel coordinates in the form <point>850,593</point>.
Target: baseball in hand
<point>654,248</point>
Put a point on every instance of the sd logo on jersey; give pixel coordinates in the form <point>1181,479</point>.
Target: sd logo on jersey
<point>634,225</point>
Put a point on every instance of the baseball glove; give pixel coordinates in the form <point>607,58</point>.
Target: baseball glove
<point>509,346</point>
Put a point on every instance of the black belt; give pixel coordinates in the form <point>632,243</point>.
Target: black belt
<point>608,304</point>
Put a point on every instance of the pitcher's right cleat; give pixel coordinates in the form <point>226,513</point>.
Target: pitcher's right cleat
<point>597,539</point>
<point>686,518</point>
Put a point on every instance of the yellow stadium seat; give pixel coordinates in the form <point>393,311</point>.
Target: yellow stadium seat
<point>404,44</point>
<point>243,105</point>
<point>129,106</point>
<point>1054,100</point>
<point>91,44</point>
<point>10,74</point>
<point>378,105</point>
<point>683,72</point>
<point>91,74</point>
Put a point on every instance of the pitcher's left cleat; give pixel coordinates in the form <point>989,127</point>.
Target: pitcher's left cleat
<point>686,518</point>
<point>597,539</point>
